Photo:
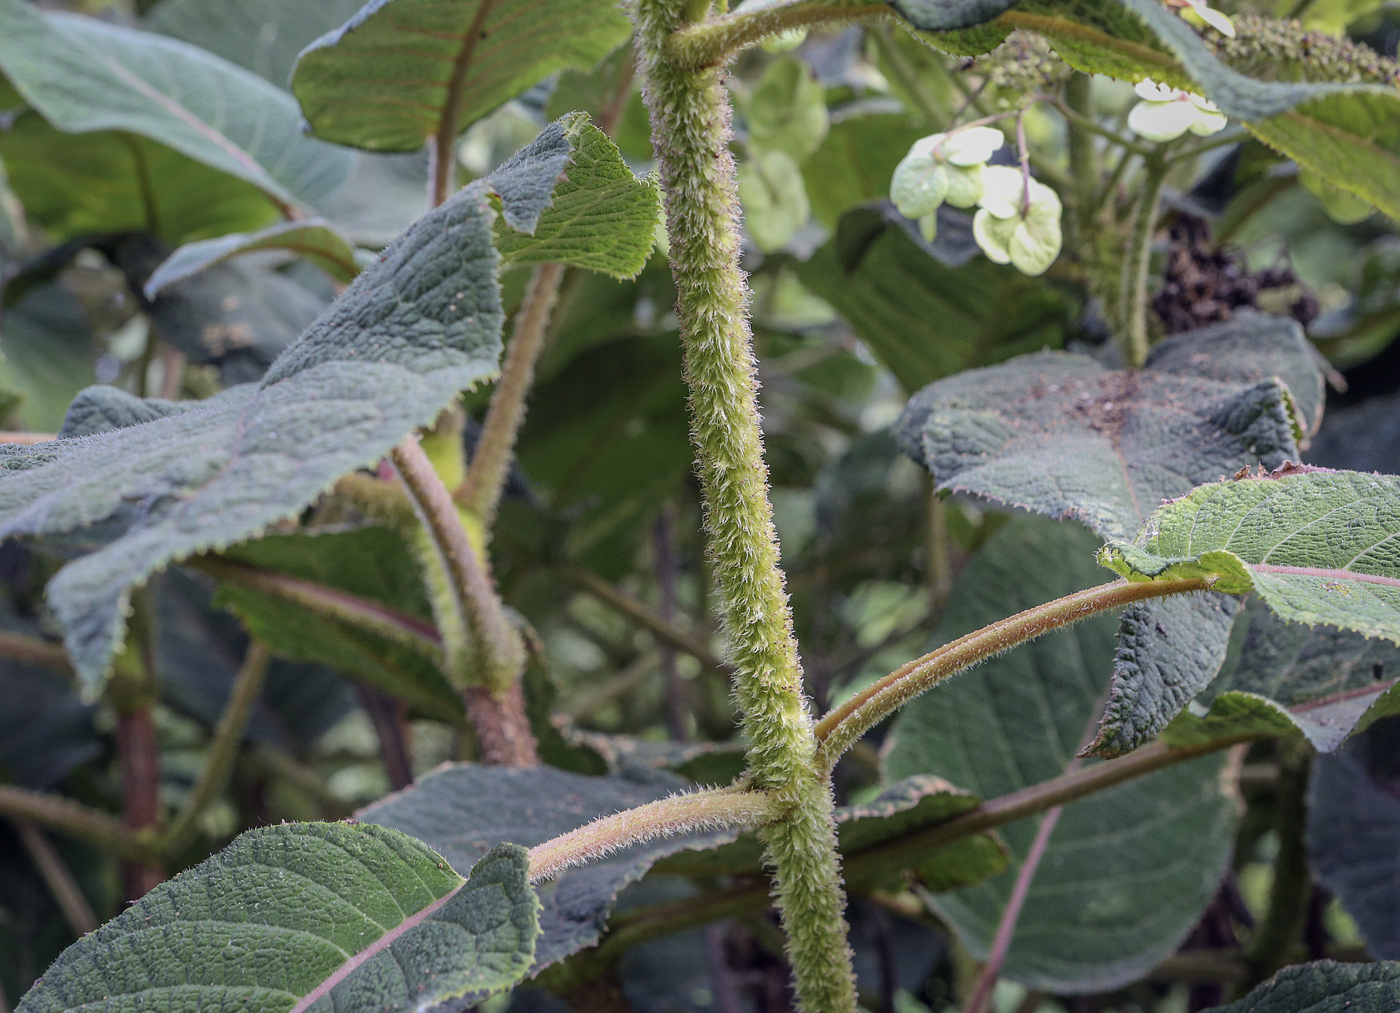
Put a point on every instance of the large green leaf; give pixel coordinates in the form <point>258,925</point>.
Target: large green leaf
<point>1062,436</point>
<point>264,36</point>
<point>1324,987</point>
<point>434,63</point>
<point>1286,679</point>
<point>1168,650</point>
<point>308,916</point>
<point>382,361</point>
<point>928,311</point>
<point>1320,547</point>
<point>375,567</point>
<point>87,76</point>
<point>603,217</point>
<point>1127,871</point>
<point>465,809</point>
<point>113,181</point>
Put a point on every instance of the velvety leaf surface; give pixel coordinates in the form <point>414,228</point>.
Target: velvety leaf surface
<point>307,916</point>
<point>433,61</point>
<point>462,810</point>
<point>1354,833</point>
<point>603,217</point>
<point>929,310</point>
<point>1320,547</point>
<point>1289,679</point>
<point>312,238</point>
<point>1127,871</point>
<point>375,566</point>
<point>418,326</point>
<point>1168,651</point>
<point>263,36</point>
<point>1060,435</point>
<point>1324,987</point>
<point>84,75</point>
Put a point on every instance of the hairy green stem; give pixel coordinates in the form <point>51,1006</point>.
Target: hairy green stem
<point>702,44</point>
<point>1137,268</point>
<point>690,116</point>
<point>842,727</point>
<point>486,477</point>
<point>494,700</point>
<point>872,866</point>
<point>223,749</point>
<point>734,807</point>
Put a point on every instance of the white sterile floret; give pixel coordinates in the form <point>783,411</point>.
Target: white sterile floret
<point>1164,113</point>
<point>970,147</point>
<point>942,167</point>
<point>1013,230</point>
<point>1197,10</point>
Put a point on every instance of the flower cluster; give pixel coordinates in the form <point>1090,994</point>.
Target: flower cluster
<point>1017,221</point>
<point>944,167</point>
<point>1166,113</point>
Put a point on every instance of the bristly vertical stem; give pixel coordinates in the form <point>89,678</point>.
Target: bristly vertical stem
<point>1137,268</point>
<point>690,116</point>
<point>495,702</point>
<point>490,465</point>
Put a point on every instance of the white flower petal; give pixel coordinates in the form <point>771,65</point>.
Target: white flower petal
<point>964,185</point>
<point>1003,191</point>
<point>928,227</point>
<point>923,147</point>
<point>1207,123</point>
<point>918,186</point>
<point>1151,91</point>
<point>1161,121</point>
<point>993,234</point>
<point>1034,245</point>
<point>972,146</point>
<point>1216,20</point>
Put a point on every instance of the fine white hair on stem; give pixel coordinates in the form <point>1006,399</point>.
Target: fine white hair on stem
<point>711,809</point>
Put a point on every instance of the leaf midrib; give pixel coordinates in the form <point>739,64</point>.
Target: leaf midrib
<point>372,950</point>
<point>1324,573</point>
